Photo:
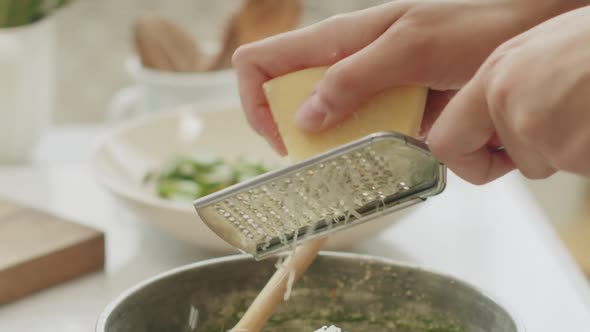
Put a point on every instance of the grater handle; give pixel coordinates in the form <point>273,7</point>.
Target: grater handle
<point>273,292</point>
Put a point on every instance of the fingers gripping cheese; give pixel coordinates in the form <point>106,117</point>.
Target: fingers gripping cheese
<point>398,109</point>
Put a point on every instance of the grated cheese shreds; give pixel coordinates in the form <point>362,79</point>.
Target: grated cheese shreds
<point>282,264</point>
<point>193,318</point>
<point>331,328</point>
<point>290,281</point>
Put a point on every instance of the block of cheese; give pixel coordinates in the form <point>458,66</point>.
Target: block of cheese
<point>397,109</point>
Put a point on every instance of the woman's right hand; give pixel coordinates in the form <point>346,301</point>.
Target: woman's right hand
<point>438,43</point>
<point>533,95</point>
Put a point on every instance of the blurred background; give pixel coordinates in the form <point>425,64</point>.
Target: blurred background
<point>94,38</point>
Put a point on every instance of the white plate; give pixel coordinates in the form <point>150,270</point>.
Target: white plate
<point>123,157</point>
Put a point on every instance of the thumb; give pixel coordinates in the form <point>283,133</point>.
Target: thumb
<point>335,97</point>
<point>352,81</point>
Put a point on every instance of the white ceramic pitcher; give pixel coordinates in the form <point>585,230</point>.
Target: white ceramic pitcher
<point>27,87</point>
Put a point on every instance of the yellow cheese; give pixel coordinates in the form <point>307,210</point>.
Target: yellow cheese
<point>398,109</point>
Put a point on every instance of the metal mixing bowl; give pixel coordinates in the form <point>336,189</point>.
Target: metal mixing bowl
<point>355,292</point>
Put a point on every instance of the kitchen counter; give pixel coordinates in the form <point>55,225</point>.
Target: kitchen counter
<point>493,236</point>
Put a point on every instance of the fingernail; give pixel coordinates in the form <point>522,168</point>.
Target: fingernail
<point>277,144</point>
<point>279,149</point>
<point>311,115</point>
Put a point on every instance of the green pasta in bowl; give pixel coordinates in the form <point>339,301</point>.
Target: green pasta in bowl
<point>340,292</point>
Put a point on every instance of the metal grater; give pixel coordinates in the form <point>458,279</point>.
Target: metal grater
<point>335,190</point>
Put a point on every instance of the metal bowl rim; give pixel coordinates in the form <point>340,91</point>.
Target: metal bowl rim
<point>102,319</point>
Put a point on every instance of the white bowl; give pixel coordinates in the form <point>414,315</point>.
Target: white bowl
<point>157,90</point>
<point>130,150</point>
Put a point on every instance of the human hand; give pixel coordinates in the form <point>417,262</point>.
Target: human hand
<point>533,94</point>
<point>439,44</point>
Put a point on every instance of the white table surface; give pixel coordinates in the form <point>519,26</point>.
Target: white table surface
<point>494,236</point>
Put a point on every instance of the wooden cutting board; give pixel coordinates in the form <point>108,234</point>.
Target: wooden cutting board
<point>39,250</point>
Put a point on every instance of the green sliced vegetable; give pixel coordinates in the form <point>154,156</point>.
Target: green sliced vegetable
<point>191,177</point>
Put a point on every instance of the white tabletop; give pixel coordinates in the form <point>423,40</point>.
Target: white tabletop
<point>492,236</point>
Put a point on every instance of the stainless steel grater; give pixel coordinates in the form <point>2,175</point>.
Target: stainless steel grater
<point>341,188</point>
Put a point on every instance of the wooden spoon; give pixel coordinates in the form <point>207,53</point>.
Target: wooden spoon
<point>272,295</point>
<point>257,19</point>
<point>163,45</point>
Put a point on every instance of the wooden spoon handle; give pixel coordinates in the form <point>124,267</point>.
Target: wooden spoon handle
<point>272,295</point>
<point>164,45</point>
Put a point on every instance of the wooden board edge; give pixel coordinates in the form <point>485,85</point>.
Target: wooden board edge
<point>56,268</point>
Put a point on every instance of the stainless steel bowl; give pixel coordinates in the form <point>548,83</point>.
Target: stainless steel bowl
<point>355,292</point>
